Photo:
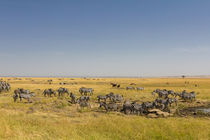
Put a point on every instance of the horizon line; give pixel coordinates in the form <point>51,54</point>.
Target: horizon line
<point>186,76</point>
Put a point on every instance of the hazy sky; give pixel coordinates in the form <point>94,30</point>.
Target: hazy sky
<point>104,37</point>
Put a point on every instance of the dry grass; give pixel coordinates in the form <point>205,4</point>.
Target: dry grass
<point>53,118</point>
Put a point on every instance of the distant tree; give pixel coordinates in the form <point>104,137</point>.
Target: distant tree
<point>183,76</point>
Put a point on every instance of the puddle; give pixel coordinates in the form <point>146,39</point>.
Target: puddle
<point>196,111</point>
<point>204,110</point>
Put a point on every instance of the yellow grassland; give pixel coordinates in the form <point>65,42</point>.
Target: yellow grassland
<point>56,119</point>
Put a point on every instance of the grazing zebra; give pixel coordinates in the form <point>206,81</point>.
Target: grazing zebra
<point>130,88</point>
<point>84,91</point>
<point>139,88</point>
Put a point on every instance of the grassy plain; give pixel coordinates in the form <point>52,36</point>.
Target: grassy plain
<point>56,119</point>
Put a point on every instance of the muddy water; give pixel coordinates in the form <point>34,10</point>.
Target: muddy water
<point>196,111</point>
<point>204,110</point>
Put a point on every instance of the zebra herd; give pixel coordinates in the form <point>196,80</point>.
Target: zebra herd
<point>26,94</point>
<point>61,91</point>
<point>164,100</point>
<point>183,95</point>
<point>132,107</point>
<point>4,86</point>
<point>115,102</point>
<point>128,87</point>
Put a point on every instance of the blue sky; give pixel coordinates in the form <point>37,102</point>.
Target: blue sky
<point>104,37</point>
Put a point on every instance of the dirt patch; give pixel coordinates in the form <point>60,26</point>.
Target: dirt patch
<point>156,113</point>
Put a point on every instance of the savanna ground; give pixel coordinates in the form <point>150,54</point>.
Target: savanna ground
<point>54,118</point>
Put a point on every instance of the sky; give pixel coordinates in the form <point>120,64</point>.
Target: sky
<point>104,37</point>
